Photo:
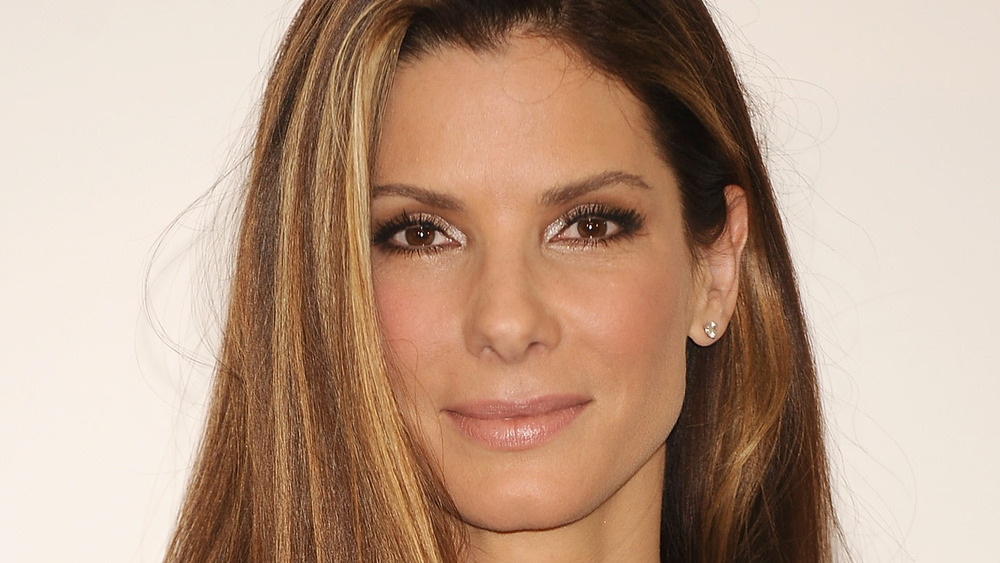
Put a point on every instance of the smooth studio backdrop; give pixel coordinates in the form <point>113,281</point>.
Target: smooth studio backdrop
<point>116,116</point>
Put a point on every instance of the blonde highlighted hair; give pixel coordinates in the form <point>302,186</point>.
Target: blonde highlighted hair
<point>305,455</point>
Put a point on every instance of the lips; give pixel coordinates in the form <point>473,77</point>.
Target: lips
<point>516,425</point>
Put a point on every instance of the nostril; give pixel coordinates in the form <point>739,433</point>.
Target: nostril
<point>508,313</point>
<point>510,327</point>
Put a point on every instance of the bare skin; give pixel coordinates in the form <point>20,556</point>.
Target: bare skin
<point>537,293</point>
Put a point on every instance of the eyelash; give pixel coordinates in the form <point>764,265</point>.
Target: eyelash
<point>629,222</point>
<point>386,231</point>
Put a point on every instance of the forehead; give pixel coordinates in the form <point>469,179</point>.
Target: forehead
<point>527,67</point>
<point>531,113</point>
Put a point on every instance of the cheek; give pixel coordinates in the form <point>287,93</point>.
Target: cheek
<point>404,321</point>
<point>416,320</point>
<point>637,318</point>
<point>633,333</point>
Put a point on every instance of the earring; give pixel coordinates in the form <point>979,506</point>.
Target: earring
<point>710,330</point>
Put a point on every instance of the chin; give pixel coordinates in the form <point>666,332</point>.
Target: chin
<point>514,515</point>
<point>515,501</point>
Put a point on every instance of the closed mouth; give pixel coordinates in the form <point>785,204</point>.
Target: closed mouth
<point>517,425</point>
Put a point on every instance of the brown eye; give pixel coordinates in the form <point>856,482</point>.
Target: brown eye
<point>592,227</point>
<point>419,235</point>
<point>594,224</point>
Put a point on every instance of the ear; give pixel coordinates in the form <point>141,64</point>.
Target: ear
<point>717,273</point>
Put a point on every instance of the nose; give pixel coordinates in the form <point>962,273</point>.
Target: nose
<point>509,316</point>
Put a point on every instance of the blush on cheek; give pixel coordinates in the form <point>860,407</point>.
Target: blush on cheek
<point>397,323</point>
<point>416,322</point>
<point>402,307</point>
<point>639,310</point>
<point>643,318</point>
<point>400,328</point>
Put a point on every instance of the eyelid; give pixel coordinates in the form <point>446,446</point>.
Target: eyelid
<point>628,220</point>
<point>439,223</point>
<point>389,229</point>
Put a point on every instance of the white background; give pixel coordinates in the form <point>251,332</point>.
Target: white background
<point>115,116</point>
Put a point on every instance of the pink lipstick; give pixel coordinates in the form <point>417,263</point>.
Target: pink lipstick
<point>517,425</point>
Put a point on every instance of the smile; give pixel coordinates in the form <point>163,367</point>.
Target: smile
<point>514,426</point>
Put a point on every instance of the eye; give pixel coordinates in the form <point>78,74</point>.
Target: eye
<point>594,223</point>
<point>592,227</point>
<point>423,234</point>
<point>420,233</point>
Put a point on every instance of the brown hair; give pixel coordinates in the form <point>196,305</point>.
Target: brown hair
<point>305,454</point>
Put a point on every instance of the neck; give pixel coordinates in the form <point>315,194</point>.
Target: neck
<point>625,528</point>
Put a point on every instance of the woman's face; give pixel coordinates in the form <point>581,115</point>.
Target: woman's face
<point>534,283</point>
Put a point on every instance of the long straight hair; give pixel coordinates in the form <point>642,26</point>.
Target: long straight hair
<point>305,455</point>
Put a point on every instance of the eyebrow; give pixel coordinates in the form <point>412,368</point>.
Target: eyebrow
<point>554,196</point>
<point>423,195</point>
<point>568,192</point>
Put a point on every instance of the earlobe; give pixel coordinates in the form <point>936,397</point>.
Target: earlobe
<point>719,272</point>
<point>712,330</point>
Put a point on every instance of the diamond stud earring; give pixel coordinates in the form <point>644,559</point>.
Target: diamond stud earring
<point>710,330</point>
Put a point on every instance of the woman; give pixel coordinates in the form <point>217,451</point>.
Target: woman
<point>510,285</point>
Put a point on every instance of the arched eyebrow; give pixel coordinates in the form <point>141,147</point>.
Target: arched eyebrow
<point>554,196</point>
<point>423,195</point>
<point>568,192</point>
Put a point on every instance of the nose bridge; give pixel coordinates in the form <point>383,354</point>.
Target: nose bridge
<point>509,315</point>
